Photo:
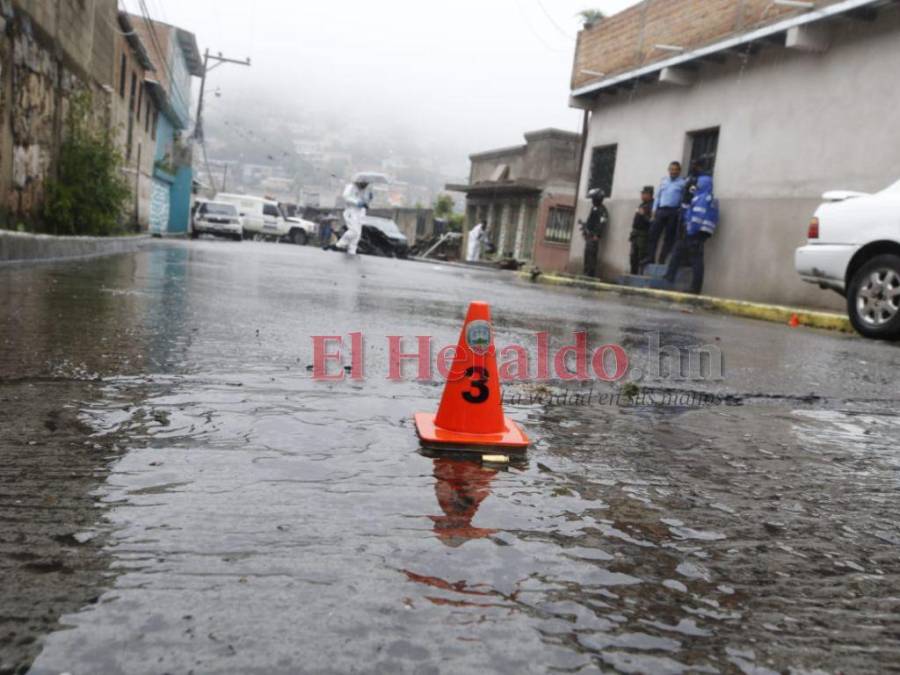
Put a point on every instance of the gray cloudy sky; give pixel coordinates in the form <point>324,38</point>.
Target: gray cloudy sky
<point>467,74</point>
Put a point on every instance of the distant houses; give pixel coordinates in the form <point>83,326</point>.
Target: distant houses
<point>525,195</point>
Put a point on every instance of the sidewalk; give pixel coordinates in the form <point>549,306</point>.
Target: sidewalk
<point>22,247</point>
<point>752,310</point>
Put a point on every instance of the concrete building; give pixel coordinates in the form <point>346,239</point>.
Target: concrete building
<point>49,52</point>
<point>526,196</point>
<point>783,100</point>
<point>415,223</point>
<point>135,117</point>
<point>175,58</point>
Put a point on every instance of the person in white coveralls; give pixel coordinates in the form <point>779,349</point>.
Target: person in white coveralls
<point>357,197</point>
<point>476,243</point>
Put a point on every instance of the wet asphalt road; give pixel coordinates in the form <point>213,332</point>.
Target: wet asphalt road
<point>178,495</point>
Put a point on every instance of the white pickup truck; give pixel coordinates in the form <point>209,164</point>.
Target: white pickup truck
<point>263,219</point>
<point>854,248</point>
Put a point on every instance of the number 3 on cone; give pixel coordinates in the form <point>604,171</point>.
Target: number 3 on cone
<point>481,392</point>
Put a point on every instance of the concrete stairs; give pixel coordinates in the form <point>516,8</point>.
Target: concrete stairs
<point>653,277</point>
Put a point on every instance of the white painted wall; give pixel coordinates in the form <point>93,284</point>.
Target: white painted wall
<point>792,125</point>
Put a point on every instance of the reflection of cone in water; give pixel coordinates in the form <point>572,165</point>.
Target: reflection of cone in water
<point>460,487</point>
<point>471,411</point>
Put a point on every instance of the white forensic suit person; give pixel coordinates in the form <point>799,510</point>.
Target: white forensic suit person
<point>476,243</point>
<point>357,196</point>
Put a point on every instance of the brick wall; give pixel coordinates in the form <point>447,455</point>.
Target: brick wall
<point>157,39</point>
<point>553,256</point>
<point>627,40</point>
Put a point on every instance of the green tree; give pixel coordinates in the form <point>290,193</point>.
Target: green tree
<point>89,194</point>
<point>443,207</point>
<point>457,222</point>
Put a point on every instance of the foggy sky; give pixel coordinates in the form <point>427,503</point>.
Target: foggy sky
<point>467,75</point>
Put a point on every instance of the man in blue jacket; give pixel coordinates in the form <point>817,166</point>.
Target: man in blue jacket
<point>666,207</point>
<point>701,221</point>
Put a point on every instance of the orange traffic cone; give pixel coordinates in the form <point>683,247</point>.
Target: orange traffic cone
<point>471,411</point>
<point>794,322</point>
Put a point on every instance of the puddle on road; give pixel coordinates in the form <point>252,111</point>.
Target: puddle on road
<point>260,523</point>
<point>251,523</point>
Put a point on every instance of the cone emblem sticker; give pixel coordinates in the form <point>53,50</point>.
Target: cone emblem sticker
<point>478,336</point>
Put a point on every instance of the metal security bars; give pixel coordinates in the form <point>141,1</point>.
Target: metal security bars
<point>559,225</point>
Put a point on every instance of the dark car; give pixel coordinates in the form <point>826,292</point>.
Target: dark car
<point>381,236</point>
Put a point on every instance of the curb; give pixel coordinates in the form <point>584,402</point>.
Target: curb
<point>742,308</point>
<point>478,267</point>
<point>17,248</point>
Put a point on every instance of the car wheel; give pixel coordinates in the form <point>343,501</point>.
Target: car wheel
<point>873,298</point>
<point>237,237</point>
<point>298,237</point>
<point>194,234</point>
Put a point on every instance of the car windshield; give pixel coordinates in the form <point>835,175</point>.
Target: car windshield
<point>218,209</point>
<point>272,210</point>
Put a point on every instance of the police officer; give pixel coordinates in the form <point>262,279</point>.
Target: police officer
<point>667,214</point>
<point>640,229</point>
<point>592,228</point>
<point>701,222</point>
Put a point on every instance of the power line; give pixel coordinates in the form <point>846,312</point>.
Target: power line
<point>160,10</point>
<point>533,30</point>
<point>549,16</point>
<point>212,182</point>
<point>220,61</point>
<point>154,38</point>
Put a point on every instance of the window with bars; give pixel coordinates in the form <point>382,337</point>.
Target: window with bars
<point>603,168</point>
<point>704,146</point>
<point>559,225</point>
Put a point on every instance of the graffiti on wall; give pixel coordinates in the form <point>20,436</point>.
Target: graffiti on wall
<point>159,207</point>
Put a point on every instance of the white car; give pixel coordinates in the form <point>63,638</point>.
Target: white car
<point>301,231</point>
<point>854,249</point>
<point>219,218</point>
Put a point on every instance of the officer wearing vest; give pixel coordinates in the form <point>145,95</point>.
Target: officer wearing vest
<point>592,229</point>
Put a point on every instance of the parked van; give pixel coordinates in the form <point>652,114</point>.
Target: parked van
<point>259,217</point>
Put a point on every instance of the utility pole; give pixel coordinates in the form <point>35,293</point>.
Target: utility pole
<point>220,60</point>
